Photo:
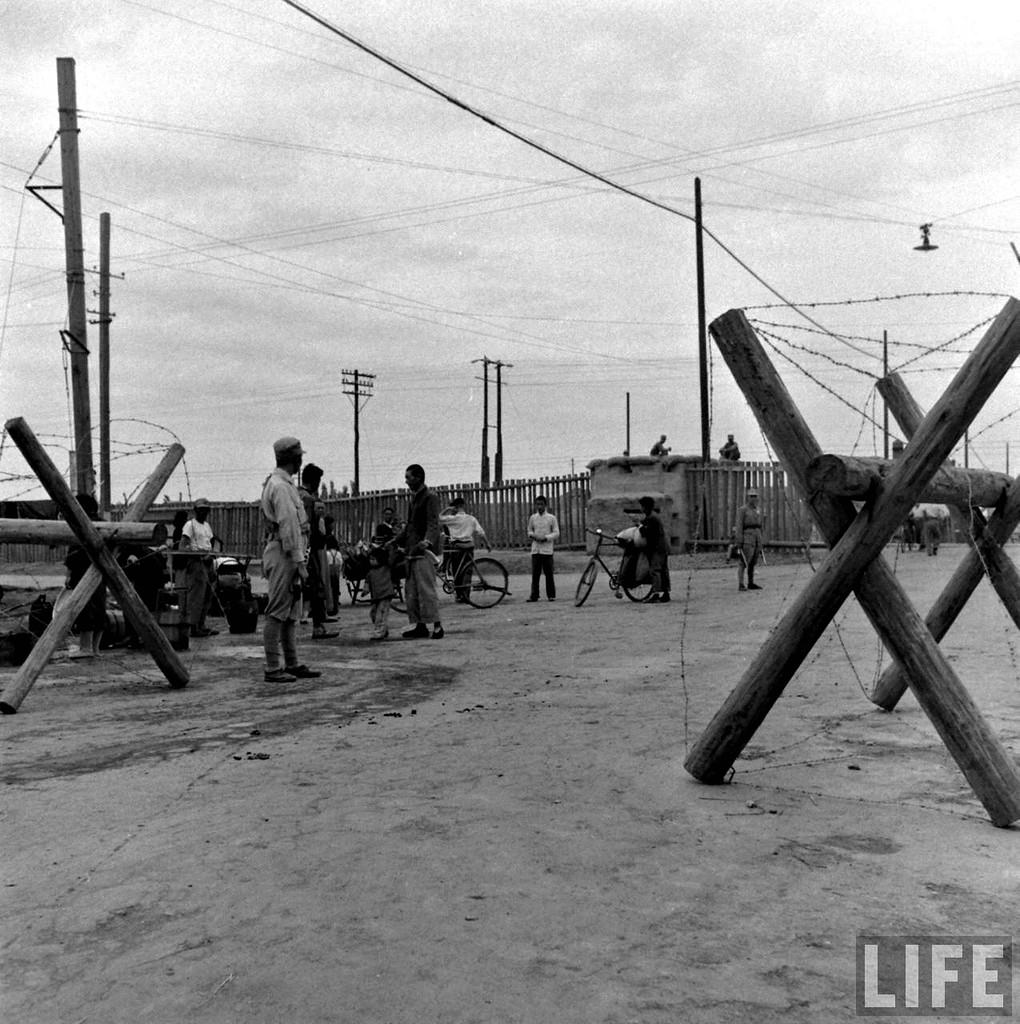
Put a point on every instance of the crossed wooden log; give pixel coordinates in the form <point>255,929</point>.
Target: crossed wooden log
<point>855,563</point>
<point>104,566</point>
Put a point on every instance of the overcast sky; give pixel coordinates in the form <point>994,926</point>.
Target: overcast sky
<point>285,206</point>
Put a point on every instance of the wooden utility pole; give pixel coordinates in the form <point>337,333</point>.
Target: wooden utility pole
<point>626,451</point>
<point>77,329</point>
<point>699,249</point>
<point>499,418</point>
<point>104,362</point>
<point>485,360</point>
<point>358,385</point>
<point>885,404</point>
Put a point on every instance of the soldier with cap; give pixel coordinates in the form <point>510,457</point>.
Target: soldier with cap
<point>197,535</point>
<point>746,538</point>
<point>283,563</point>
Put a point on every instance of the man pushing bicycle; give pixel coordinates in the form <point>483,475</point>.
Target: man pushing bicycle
<point>462,529</point>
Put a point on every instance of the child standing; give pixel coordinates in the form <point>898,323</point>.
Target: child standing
<point>380,589</point>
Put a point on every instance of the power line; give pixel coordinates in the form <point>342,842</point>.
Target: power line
<point>531,143</point>
<point>856,120</point>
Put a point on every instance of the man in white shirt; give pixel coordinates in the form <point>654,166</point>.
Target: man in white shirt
<point>462,530</point>
<point>544,531</point>
<point>197,535</point>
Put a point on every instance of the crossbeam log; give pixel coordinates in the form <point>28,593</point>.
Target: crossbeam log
<point>984,555</point>
<point>848,476</point>
<point>55,532</point>
<point>104,562</point>
<point>855,562</point>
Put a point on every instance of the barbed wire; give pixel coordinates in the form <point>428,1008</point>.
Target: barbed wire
<point>893,342</point>
<point>885,298</point>
<point>944,346</point>
<point>813,352</point>
<point>838,337</point>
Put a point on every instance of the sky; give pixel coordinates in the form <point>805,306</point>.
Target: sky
<point>286,207</point>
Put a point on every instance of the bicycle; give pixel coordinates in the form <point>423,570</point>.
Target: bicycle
<point>483,581</point>
<point>639,592</point>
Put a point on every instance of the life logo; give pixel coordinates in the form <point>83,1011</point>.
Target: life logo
<point>934,976</point>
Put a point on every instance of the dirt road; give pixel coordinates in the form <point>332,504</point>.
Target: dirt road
<point>494,827</point>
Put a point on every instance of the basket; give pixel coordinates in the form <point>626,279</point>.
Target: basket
<point>355,566</point>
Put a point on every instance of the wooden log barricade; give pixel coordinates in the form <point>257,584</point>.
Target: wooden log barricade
<point>846,476</point>
<point>984,557</point>
<point>56,533</point>
<point>855,563</point>
<point>104,566</point>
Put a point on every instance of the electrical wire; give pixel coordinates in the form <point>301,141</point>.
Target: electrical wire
<point>531,143</point>
<point>856,120</point>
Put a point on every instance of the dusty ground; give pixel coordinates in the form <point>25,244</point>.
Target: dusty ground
<point>492,827</point>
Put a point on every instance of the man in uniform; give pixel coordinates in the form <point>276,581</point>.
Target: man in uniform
<point>283,562</point>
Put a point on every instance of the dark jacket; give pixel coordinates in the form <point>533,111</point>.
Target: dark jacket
<point>422,527</point>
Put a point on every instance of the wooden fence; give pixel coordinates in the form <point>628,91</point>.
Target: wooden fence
<point>712,493</point>
<point>715,492</point>
<point>503,510</point>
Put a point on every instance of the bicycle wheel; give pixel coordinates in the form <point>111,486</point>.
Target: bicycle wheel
<point>639,592</point>
<point>488,582</point>
<point>586,582</point>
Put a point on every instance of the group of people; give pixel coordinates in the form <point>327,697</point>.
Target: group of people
<point>146,569</point>
<point>299,539</point>
<point>922,528</point>
<point>411,550</point>
<point>730,451</point>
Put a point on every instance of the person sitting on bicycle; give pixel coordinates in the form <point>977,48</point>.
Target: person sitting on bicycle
<point>462,530</point>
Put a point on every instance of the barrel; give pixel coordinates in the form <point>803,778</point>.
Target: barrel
<point>172,622</point>
<point>115,630</point>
